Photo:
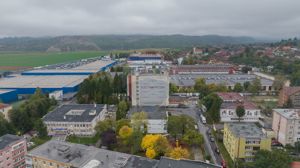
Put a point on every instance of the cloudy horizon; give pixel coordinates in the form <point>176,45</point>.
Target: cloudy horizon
<point>273,19</point>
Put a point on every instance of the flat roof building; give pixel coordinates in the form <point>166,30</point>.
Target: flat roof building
<point>243,140</point>
<point>84,69</point>
<point>69,155</point>
<point>48,83</point>
<point>286,125</point>
<point>12,151</point>
<point>203,69</point>
<point>77,119</point>
<point>8,95</point>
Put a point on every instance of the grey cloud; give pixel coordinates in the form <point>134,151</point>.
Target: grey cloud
<point>258,18</point>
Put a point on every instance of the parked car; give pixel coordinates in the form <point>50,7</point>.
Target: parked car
<point>217,151</point>
<point>212,139</point>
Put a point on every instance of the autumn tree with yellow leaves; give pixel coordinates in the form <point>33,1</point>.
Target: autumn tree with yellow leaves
<point>179,153</point>
<point>155,145</point>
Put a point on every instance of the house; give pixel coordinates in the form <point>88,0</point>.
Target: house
<point>230,101</point>
<point>286,125</point>
<point>75,119</point>
<point>289,93</point>
<point>243,140</point>
<point>12,151</point>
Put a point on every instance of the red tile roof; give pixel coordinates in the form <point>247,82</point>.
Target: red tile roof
<point>295,165</point>
<point>2,106</point>
<point>230,96</point>
<point>288,91</point>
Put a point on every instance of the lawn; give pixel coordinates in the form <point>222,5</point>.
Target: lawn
<point>38,141</point>
<point>34,59</point>
<point>83,140</point>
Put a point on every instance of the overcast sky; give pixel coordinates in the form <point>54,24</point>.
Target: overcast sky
<point>256,18</point>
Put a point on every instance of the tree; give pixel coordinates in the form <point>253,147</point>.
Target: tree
<point>179,125</point>
<point>125,132</point>
<point>212,102</point>
<point>173,88</point>
<point>158,143</point>
<point>121,123</point>
<point>139,121</point>
<point>122,110</point>
<point>271,159</point>
<point>279,82</point>
<point>179,153</point>
<point>193,138</point>
<point>247,85</point>
<point>150,153</point>
<point>108,138</point>
<point>40,127</point>
<point>135,141</point>
<point>201,87</point>
<point>297,147</point>
<point>104,125</point>
<point>255,86</point>
<point>240,111</point>
<point>5,126</point>
<point>238,87</point>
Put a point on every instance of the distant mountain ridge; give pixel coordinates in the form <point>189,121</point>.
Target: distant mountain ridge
<point>115,42</point>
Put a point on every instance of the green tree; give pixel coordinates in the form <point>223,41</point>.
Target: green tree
<point>255,86</point>
<point>238,87</point>
<point>173,88</point>
<point>122,110</point>
<point>40,127</point>
<point>212,102</point>
<point>105,125</point>
<point>271,159</point>
<point>179,125</point>
<point>193,138</point>
<point>5,126</point>
<point>240,111</point>
<point>201,87</point>
<point>278,82</point>
<point>246,86</point>
<point>139,121</point>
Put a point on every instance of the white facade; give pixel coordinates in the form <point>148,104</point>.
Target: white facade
<point>157,126</point>
<point>229,115</point>
<point>75,128</point>
<point>57,95</point>
<point>149,90</point>
<point>286,125</point>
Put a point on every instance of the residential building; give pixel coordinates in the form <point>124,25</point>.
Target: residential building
<point>148,89</point>
<point>197,51</point>
<point>243,140</point>
<point>4,109</point>
<point>54,154</point>
<point>286,125</point>
<point>292,93</point>
<point>157,118</point>
<point>12,151</point>
<point>75,119</point>
<point>228,108</point>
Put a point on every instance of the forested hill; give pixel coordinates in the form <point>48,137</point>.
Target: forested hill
<point>109,42</point>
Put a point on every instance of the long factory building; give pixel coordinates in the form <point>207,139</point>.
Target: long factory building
<point>66,78</point>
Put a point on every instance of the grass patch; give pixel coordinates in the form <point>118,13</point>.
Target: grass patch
<point>223,151</point>
<point>38,141</point>
<point>83,140</point>
<point>43,58</point>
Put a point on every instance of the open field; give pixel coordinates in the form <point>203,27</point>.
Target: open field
<point>15,61</point>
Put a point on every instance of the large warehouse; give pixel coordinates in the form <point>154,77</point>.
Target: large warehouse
<point>71,69</point>
<point>7,96</point>
<point>24,84</point>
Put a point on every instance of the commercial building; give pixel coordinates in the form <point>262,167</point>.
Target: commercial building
<point>12,151</point>
<point>230,101</point>
<point>76,69</point>
<point>4,109</point>
<point>27,84</point>
<point>289,93</point>
<point>8,95</point>
<point>229,80</point>
<point>145,58</point>
<point>286,125</point>
<point>203,69</point>
<point>243,140</point>
<point>75,119</point>
<point>148,89</point>
<point>157,118</point>
<point>60,154</point>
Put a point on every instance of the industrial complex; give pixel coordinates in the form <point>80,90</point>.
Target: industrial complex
<point>63,77</point>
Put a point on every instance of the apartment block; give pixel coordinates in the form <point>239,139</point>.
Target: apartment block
<point>286,125</point>
<point>243,140</point>
<point>148,89</point>
<point>12,151</point>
